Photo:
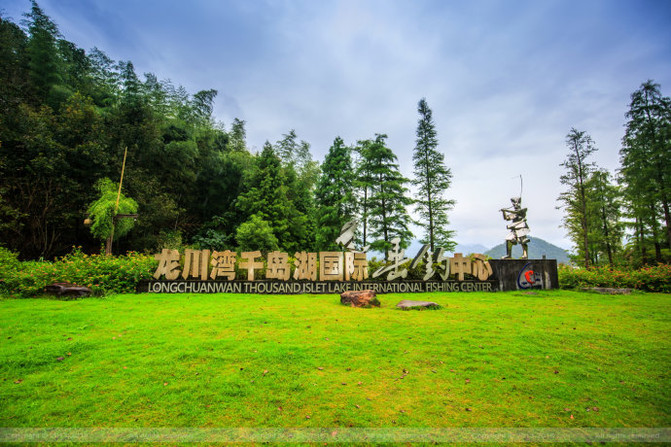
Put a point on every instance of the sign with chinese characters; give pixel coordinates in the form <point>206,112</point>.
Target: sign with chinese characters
<point>275,272</point>
<point>205,271</point>
<point>333,265</point>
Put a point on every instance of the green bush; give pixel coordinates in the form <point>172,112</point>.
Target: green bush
<point>256,234</point>
<point>9,265</point>
<point>650,279</point>
<point>103,274</point>
<point>8,259</point>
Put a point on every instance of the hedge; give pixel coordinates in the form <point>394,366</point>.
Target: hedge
<point>649,279</point>
<point>103,274</point>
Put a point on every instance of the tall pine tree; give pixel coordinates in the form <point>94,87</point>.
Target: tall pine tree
<point>268,197</point>
<point>386,208</point>
<point>432,179</point>
<point>575,199</point>
<point>334,195</point>
<point>646,170</point>
<point>363,187</point>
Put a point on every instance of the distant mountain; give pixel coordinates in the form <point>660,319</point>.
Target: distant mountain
<point>537,248</point>
<point>465,249</point>
<point>468,249</point>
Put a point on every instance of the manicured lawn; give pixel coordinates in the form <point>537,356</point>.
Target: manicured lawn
<point>553,359</point>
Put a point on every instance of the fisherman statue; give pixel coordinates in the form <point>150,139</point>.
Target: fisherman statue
<point>518,228</point>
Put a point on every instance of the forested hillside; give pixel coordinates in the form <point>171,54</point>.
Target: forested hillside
<point>66,117</point>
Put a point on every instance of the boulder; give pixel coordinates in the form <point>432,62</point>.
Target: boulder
<point>359,298</point>
<point>418,305</point>
<point>67,290</point>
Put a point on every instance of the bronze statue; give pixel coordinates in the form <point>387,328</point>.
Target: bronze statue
<point>518,228</point>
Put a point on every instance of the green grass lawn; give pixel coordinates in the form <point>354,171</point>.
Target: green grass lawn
<point>552,359</point>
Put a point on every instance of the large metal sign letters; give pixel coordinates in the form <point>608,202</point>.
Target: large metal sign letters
<point>276,272</point>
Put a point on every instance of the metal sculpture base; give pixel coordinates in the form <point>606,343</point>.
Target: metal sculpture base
<point>509,250</point>
<point>525,274</point>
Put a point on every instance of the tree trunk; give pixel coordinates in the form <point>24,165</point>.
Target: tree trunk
<point>609,251</point>
<point>110,240</point>
<point>583,206</point>
<point>667,219</point>
<point>641,242</point>
<point>108,245</point>
<point>429,200</point>
<point>655,235</point>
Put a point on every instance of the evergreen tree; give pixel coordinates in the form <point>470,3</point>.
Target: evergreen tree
<point>387,213</point>
<point>334,195</point>
<point>256,234</point>
<point>363,187</point>
<point>604,213</point>
<point>646,171</point>
<point>575,199</point>
<point>267,197</point>
<point>432,179</point>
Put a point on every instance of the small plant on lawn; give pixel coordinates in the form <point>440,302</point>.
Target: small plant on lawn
<point>421,308</point>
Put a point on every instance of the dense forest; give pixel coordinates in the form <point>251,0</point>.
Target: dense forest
<point>68,117</point>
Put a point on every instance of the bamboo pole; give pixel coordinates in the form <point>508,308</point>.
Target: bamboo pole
<point>108,245</point>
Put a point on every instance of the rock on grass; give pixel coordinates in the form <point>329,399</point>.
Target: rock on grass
<point>417,305</point>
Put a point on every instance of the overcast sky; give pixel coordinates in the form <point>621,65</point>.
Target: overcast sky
<point>506,80</point>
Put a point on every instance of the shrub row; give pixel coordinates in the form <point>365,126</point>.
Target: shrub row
<point>103,274</point>
<point>650,279</point>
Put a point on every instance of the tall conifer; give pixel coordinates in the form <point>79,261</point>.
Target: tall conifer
<point>268,197</point>
<point>334,194</point>
<point>386,207</point>
<point>432,179</point>
<point>645,155</point>
<point>575,200</point>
